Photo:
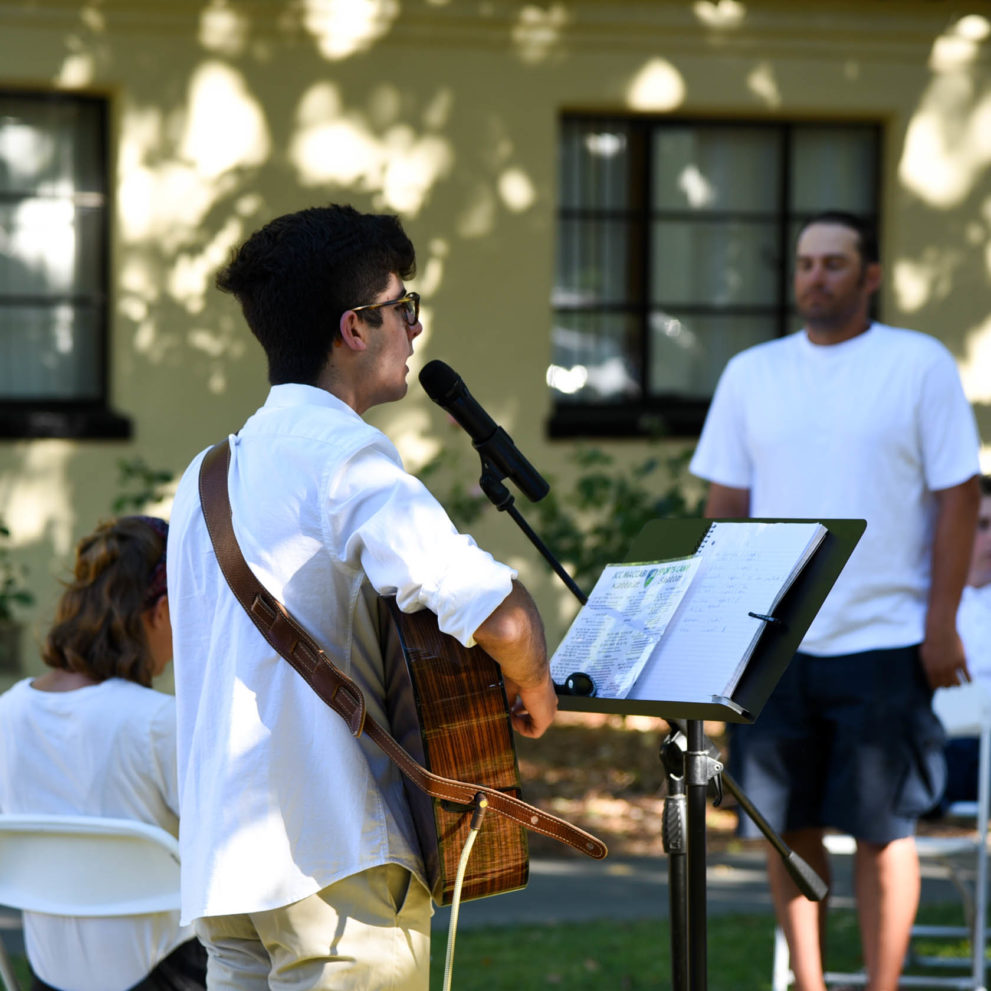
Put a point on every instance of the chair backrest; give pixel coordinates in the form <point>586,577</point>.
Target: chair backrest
<point>87,866</point>
<point>964,710</point>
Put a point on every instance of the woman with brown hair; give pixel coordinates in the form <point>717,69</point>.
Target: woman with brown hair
<point>92,737</point>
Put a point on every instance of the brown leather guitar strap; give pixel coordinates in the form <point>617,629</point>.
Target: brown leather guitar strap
<point>285,634</point>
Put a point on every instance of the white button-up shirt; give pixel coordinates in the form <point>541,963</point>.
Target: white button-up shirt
<point>277,799</point>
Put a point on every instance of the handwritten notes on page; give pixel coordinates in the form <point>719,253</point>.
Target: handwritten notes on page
<point>745,569</point>
<point>620,625</point>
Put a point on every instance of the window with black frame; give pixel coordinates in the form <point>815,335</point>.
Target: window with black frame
<point>54,266</point>
<point>675,240</point>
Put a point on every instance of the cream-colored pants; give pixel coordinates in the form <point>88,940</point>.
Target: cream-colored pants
<point>368,931</point>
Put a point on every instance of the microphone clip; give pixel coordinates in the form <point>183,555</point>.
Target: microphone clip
<point>490,482</point>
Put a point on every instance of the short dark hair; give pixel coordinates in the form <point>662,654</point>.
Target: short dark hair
<point>985,482</point>
<point>864,229</point>
<point>298,274</point>
<point>98,630</point>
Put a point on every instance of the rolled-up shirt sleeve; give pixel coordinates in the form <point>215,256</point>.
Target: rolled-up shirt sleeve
<point>392,528</point>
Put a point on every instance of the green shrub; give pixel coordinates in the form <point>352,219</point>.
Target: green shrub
<point>592,522</point>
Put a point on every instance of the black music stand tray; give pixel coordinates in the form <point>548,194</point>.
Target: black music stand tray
<point>666,539</point>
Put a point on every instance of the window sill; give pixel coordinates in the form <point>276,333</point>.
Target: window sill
<point>69,421</point>
<point>676,418</point>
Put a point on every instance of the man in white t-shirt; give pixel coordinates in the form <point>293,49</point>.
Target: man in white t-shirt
<point>852,419</point>
<point>299,858</point>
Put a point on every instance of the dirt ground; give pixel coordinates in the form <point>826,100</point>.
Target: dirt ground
<point>604,774</point>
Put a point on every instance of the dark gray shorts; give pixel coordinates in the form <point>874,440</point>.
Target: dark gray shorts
<point>848,742</point>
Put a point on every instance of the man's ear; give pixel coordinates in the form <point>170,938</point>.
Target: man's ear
<point>872,277</point>
<point>353,331</point>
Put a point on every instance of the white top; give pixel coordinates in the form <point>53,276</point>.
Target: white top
<point>865,429</point>
<point>104,750</point>
<point>277,799</point>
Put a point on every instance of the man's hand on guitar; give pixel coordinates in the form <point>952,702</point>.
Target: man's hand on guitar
<point>531,710</point>
<point>513,636</point>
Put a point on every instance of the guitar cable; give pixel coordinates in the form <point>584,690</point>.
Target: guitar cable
<point>481,804</point>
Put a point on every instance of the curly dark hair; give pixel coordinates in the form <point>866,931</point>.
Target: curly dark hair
<point>97,630</point>
<point>296,276</point>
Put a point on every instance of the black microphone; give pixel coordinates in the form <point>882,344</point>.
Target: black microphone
<point>445,387</point>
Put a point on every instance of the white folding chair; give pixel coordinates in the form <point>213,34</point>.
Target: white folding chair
<point>85,866</point>
<point>965,711</point>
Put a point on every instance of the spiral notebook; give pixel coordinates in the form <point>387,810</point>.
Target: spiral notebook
<point>744,571</point>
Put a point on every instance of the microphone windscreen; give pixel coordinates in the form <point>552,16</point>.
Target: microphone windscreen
<point>438,380</point>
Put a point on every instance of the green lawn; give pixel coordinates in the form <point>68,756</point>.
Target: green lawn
<point>628,956</point>
<point>618,956</point>
<point>20,965</point>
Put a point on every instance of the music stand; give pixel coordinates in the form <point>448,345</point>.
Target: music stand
<point>666,539</point>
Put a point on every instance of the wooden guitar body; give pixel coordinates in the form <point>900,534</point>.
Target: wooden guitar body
<point>447,707</point>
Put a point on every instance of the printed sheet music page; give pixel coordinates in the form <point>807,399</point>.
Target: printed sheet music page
<point>618,628</point>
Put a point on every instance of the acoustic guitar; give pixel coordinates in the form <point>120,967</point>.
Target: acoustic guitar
<point>447,707</point>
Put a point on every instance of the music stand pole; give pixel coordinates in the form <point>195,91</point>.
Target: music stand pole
<point>806,879</point>
<point>684,836</point>
<point>697,781</point>
<point>674,835</point>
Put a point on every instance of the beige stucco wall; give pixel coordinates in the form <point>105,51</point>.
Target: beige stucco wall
<point>226,115</point>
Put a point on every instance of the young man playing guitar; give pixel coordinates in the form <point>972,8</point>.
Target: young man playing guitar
<point>300,864</point>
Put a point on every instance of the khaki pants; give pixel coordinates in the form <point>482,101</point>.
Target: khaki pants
<point>367,931</point>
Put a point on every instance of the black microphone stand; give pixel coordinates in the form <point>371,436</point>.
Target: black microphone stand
<point>490,482</point>
<point>691,761</point>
